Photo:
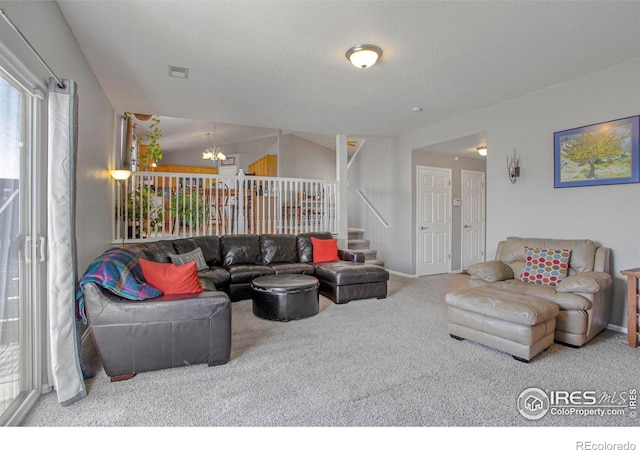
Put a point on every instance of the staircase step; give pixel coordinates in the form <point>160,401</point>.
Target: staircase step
<point>376,262</point>
<point>369,253</point>
<point>355,233</point>
<point>358,244</point>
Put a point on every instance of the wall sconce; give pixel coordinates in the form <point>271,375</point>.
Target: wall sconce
<point>120,174</point>
<point>482,151</point>
<point>513,166</point>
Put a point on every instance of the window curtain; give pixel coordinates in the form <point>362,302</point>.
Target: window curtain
<point>64,327</point>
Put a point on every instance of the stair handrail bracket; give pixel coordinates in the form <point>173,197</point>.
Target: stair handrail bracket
<point>373,209</point>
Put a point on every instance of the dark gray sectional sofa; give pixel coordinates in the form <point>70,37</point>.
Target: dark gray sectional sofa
<point>234,260</point>
<point>177,330</point>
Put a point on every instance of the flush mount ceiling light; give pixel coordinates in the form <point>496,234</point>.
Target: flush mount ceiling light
<point>482,150</point>
<point>363,55</point>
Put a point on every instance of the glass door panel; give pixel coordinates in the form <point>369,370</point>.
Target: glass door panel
<point>13,353</point>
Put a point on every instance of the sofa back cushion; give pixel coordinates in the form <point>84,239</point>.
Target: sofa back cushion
<point>305,247</point>
<point>278,248</point>
<point>512,252</point>
<point>157,251</point>
<point>240,249</point>
<point>210,246</point>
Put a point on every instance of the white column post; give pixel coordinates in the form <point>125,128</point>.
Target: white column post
<point>343,183</point>
<point>241,204</point>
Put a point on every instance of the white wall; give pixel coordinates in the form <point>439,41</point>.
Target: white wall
<point>245,153</point>
<point>532,207</point>
<point>376,172</point>
<point>44,26</point>
<point>300,158</point>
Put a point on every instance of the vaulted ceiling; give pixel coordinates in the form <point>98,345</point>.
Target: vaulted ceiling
<point>282,65</point>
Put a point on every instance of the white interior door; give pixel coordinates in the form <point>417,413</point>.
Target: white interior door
<point>433,220</point>
<point>473,206</point>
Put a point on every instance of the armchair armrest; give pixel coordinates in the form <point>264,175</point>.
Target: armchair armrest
<point>491,271</point>
<point>351,255</point>
<point>585,283</point>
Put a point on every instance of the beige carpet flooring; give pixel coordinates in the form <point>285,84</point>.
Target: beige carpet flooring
<point>368,363</point>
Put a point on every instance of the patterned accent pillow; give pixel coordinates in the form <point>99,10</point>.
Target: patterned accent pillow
<point>194,255</point>
<point>545,266</point>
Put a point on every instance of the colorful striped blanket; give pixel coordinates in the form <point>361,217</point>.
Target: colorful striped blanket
<point>118,271</point>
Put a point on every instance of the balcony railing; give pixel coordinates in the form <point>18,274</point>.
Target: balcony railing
<point>155,205</point>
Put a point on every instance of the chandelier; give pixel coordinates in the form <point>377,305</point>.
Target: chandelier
<point>213,152</point>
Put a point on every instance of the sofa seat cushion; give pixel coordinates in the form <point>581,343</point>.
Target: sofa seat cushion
<point>244,273</point>
<point>300,268</point>
<point>504,306</point>
<point>345,272</point>
<point>166,308</point>
<point>565,300</point>
<point>214,277</point>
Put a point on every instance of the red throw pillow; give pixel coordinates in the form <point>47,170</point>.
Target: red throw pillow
<point>324,250</point>
<point>172,279</point>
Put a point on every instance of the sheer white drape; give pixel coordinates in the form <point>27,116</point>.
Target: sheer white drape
<point>62,269</point>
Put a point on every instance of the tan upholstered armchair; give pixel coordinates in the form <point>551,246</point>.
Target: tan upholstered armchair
<point>584,296</point>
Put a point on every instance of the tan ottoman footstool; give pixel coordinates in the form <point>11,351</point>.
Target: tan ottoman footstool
<point>517,324</point>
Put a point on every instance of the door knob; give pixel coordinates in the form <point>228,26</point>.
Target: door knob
<point>423,228</point>
<point>467,226</point>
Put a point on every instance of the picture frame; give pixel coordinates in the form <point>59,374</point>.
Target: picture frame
<point>598,154</point>
<point>230,161</point>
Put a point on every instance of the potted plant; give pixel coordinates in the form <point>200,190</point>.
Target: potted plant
<point>142,211</point>
<point>189,208</point>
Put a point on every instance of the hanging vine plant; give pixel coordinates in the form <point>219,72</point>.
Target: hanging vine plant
<point>153,154</point>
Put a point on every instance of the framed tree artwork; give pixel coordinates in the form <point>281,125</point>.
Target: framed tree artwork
<point>602,153</point>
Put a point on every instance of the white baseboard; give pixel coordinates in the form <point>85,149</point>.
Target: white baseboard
<point>408,275</point>
<point>617,328</point>
<point>401,274</point>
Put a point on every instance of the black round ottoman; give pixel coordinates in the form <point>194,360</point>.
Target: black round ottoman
<point>285,297</point>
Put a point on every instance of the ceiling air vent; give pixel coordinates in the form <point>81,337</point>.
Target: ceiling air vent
<point>179,72</point>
